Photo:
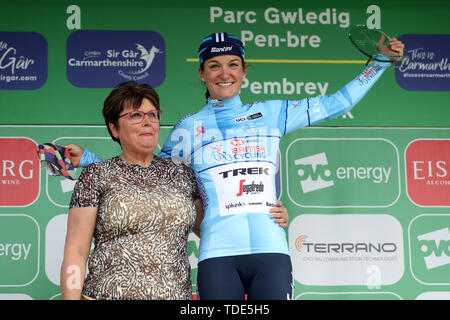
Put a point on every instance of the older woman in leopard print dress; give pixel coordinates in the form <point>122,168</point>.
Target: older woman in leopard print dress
<point>138,207</point>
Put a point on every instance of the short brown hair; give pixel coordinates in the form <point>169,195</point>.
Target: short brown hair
<point>125,95</point>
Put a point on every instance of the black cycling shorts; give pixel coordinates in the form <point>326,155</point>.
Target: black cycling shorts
<point>263,276</point>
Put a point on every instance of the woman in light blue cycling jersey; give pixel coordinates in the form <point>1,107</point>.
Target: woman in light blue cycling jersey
<point>232,149</point>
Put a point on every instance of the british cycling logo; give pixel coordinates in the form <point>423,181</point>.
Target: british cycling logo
<point>368,74</point>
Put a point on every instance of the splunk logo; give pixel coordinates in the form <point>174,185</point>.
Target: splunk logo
<point>333,170</point>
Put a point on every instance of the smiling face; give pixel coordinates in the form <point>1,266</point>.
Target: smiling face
<point>138,138</point>
<point>223,76</point>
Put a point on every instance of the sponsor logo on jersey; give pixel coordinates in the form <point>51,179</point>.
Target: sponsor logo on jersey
<point>246,188</point>
<point>250,117</point>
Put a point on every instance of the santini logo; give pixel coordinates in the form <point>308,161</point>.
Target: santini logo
<point>315,173</point>
<point>223,49</point>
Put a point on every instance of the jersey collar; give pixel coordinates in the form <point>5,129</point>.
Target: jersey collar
<point>225,104</point>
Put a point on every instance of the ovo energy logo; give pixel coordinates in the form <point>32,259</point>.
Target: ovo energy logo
<point>343,172</point>
<point>429,242</point>
<point>314,172</point>
<point>435,247</point>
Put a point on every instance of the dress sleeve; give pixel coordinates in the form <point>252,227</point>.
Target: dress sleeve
<point>87,190</point>
<point>309,111</point>
<point>192,182</point>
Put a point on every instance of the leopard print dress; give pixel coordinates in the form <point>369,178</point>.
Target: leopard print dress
<point>143,221</point>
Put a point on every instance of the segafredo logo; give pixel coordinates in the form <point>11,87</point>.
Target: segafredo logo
<point>343,172</point>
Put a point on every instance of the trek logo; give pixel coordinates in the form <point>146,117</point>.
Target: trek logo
<point>252,188</point>
<point>316,175</point>
<point>245,171</point>
<point>435,247</point>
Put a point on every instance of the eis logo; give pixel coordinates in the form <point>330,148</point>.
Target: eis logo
<point>343,173</point>
<point>428,172</point>
<point>19,172</point>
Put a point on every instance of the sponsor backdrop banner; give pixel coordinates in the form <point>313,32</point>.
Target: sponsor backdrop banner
<point>368,193</point>
<point>55,53</point>
<point>368,223</point>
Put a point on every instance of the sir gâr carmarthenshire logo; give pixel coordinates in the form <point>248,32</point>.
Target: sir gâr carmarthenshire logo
<point>102,59</point>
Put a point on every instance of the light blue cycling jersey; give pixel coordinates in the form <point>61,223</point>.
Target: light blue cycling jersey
<point>233,149</point>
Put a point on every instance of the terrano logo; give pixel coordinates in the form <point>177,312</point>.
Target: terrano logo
<point>345,249</point>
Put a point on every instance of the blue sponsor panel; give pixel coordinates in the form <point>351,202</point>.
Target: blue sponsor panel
<point>103,59</point>
<point>426,65</point>
<point>23,60</point>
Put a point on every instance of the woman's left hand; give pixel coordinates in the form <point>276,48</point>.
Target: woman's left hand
<point>280,214</point>
<point>396,48</point>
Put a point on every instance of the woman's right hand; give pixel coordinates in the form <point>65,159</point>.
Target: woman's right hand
<point>76,152</point>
